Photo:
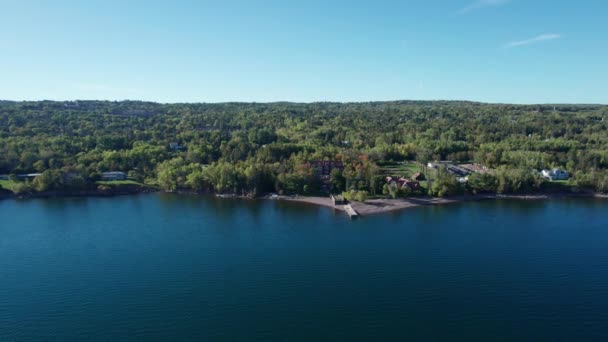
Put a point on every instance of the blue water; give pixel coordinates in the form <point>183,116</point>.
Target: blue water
<point>168,267</point>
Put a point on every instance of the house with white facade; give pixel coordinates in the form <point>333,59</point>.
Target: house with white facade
<point>555,174</point>
<point>113,176</point>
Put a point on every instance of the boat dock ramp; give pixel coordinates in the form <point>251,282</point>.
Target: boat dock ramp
<point>350,211</point>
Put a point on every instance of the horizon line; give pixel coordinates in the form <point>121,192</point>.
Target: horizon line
<point>318,101</point>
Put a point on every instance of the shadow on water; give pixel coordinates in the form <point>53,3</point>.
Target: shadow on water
<point>54,210</point>
<point>223,207</point>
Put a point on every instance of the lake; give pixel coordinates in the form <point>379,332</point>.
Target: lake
<point>179,267</point>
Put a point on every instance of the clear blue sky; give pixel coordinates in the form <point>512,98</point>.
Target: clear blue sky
<point>517,51</point>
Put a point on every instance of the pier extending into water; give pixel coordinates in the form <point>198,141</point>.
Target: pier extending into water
<point>350,211</point>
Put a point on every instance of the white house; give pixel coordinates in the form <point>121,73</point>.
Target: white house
<point>113,176</point>
<point>29,176</point>
<point>462,180</point>
<point>555,174</point>
<point>439,164</point>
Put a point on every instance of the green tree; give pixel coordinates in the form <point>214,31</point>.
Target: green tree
<point>445,185</point>
<point>482,183</point>
<point>337,180</point>
<point>48,180</point>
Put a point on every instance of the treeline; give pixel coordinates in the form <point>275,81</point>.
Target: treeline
<point>249,148</point>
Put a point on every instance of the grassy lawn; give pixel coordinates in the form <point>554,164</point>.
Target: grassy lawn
<point>119,183</point>
<point>406,169</point>
<point>7,184</point>
<point>557,186</point>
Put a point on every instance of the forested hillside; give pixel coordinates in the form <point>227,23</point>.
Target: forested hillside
<point>254,148</point>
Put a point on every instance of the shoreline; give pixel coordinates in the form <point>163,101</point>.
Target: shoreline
<point>369,207</point>
<point>7,194</point>
<point>387,205</point>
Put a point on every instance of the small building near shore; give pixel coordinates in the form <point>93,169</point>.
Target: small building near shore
<point>401,182</point>
<point>28,176</point>
<point>462,180</point>
<point>113,176</point>
<point>439,164</point>
<point>458,171</point>
<point>555,174</point>
<point>412,185</point>
<point>418,176</point>
<point>337,200</point>
<point>4,177</point>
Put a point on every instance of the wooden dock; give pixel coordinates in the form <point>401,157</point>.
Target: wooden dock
<point>350,211</point>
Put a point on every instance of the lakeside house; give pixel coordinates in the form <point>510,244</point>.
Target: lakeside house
<point>439,164</point>
<point>457,171</point>
<point>338,199</point>
<point>403,183</point>
<point>555,174</point>
<point>28,176</point>
<point>113,176</point>
<point>462,180</point>
<point>418,176</point>
<point>413,185</point>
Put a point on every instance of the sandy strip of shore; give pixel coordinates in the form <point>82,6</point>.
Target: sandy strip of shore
<point>374,206</point>
<point>320,201</point>
<point>378,206</point>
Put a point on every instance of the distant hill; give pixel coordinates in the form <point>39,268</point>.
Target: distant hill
<point>252,147</point>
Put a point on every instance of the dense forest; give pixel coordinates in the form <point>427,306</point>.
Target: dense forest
<point>251,148</point>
